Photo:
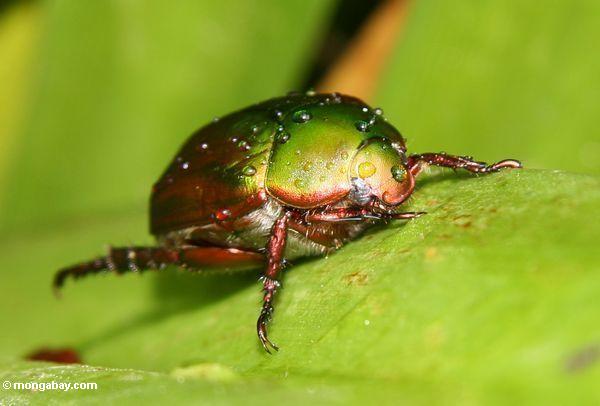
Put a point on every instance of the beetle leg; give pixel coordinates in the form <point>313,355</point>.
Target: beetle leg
<point>137,259</point>
<point>358,214</point>
<point>275,249</point>
<point>417,162</point>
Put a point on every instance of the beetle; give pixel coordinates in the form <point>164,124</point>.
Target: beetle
<point>290,177</point>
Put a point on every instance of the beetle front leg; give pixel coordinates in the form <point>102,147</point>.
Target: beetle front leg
<point>275,249</point>
<point>417,162</point>
<point>358,214</point>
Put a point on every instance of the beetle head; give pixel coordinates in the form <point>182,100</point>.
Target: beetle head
<point>379,172</point>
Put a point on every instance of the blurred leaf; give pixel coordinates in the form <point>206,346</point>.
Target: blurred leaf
<point>487,299</point>
<point>497,78</point>
<point>122,83</point>
<point>19,35</point>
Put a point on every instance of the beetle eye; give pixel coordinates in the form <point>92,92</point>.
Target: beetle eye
<point>399,173</point>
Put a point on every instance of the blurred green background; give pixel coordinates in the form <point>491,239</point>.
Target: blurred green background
<point>96,96</point>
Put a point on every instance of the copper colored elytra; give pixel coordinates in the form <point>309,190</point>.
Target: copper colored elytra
<point>290,177</point>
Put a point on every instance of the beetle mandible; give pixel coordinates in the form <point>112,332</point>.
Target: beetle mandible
<point>290,177</point>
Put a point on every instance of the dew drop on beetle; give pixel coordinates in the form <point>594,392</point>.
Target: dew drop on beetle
<point>223,214</point>
<point>398,173</point>
<point>249,170</point>
<point>299,183</point>
<point>362,126</point>
<point>301,116</point>
<point>244,145</point>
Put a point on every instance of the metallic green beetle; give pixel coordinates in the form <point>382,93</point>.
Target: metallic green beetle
<point>293,176</point>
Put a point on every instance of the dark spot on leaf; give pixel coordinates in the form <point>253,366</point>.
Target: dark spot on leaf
<point>59,355</point>
<point>358,278</point>
<point>463,220</point>
<point>582,359</point>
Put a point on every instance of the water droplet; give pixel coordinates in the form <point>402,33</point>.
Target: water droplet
<point>215,119</point>
<point>204,145</point>
<point>365,109</point>
<point>307,166</point>
<point>329,165</point>
<point>301,116</point>
<point>255,129</point>
<point>398,173</point>
<point>223,214</point>
<point>282,135</point>
<point>311,92</point>
<point>234,139</point>
<point>249,170</point>
<point>278,115</point>
<point>244,145</point>
<point>362,126</point>
<point>378,111</point>
<point>366,169</point>
<point>345,155</point>
<point>185,165</point>
<point>298,152</point>
<point>299,183</point>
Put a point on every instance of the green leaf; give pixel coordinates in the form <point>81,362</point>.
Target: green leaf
<point>488,298</point>
<point>496,78</point>
<point>121,85</point>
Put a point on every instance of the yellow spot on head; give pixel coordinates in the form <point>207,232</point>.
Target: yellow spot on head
<point>366,169</point>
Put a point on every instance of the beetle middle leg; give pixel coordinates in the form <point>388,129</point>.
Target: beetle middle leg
<point>275,249</point>
<point>137,259</point>
<point>417,162</point>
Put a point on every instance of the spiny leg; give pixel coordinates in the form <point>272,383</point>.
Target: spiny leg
<point>275,250</point>
<point>417,162</point>
<point>358,214</point>
<point>137,259</point>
